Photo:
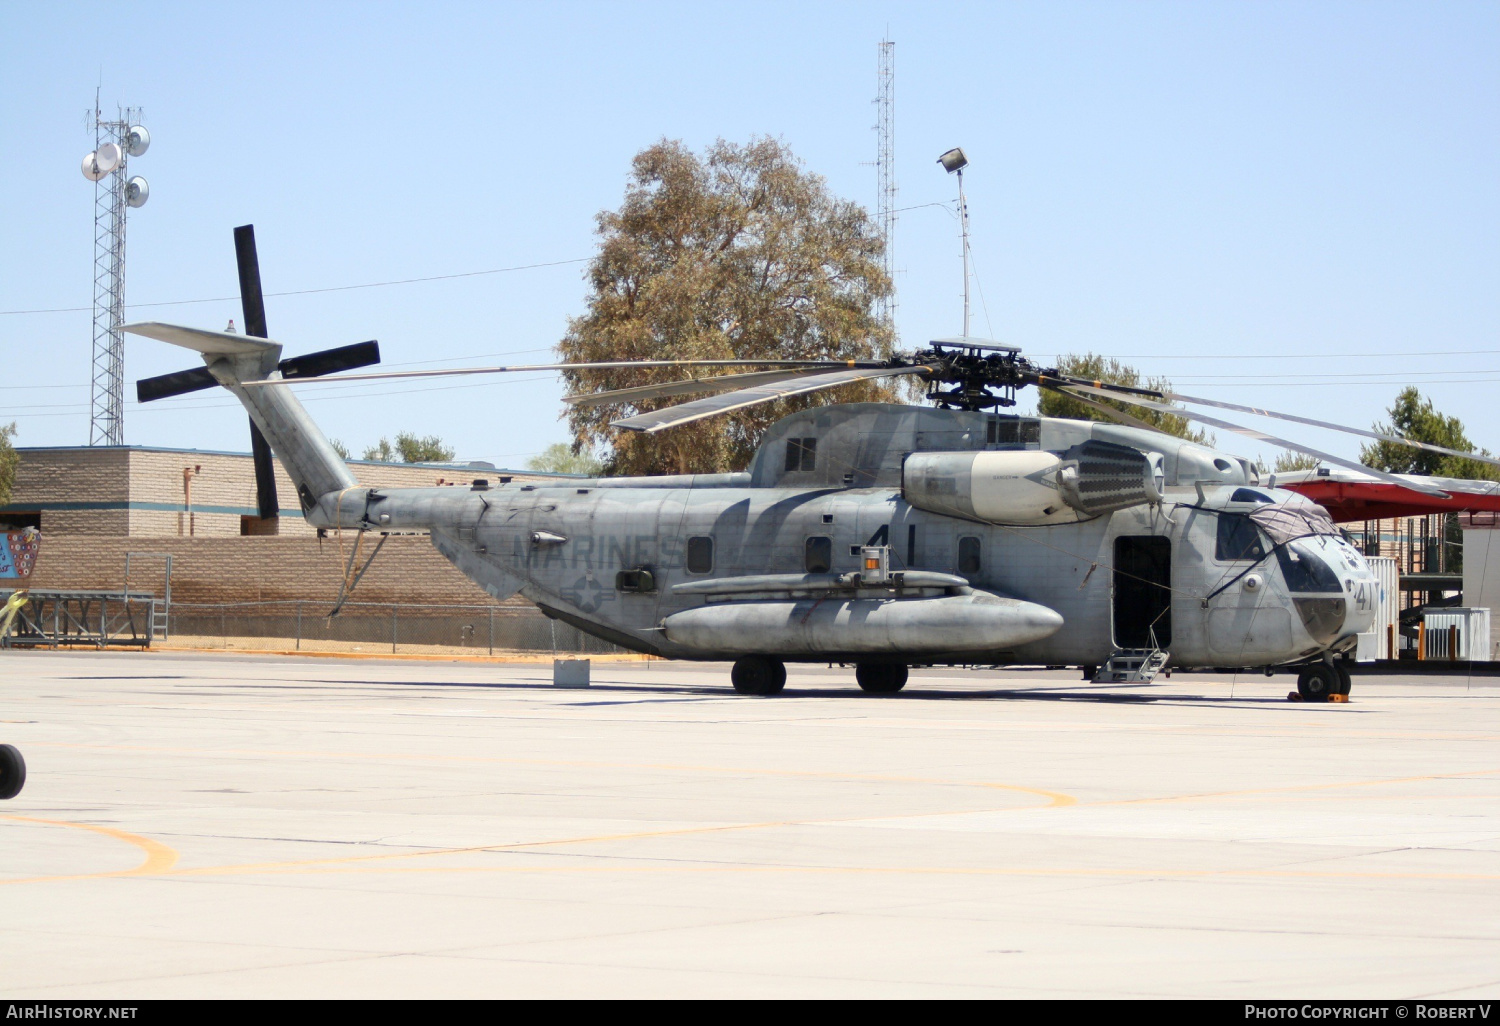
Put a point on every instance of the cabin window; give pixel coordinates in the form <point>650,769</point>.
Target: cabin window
<point>817,555</point>
<point>1238,539</point>
<point>968,556</point>
<point>801,453</point>
<point>1031,431</point>
<point>700,555</point>
<point>1249,495</point>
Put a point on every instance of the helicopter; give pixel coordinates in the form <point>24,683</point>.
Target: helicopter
<point>880,535</point>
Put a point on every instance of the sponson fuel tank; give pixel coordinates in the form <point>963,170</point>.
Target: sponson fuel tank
<point>974,622</point>
<point>1024,487</point>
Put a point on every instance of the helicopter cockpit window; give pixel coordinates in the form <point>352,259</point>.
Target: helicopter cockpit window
<point>801,453</point>
<point>1239,538</point>
<point>968,556</point>
<point>700,555</point>
<point>1304,569</point>
<point>1249,495</point>
<point>818,555</point>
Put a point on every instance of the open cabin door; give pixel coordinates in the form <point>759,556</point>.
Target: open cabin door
<point>1143,591</point>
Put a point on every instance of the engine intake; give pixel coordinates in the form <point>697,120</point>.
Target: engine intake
<point>1031,487</point>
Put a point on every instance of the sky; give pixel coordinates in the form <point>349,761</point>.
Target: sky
<point>1290,205</point>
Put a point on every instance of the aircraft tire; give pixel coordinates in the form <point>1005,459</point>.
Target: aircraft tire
<point>12,771</point>
<point>1346,680</point>
<point>1316,682</point>
<point>881,678</point>
<point>758,675</point>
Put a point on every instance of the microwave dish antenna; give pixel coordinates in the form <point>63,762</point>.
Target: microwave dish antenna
<point>137,140</point>
<point>137,191</point>
<point>108,156</point>
<point>91,169</point>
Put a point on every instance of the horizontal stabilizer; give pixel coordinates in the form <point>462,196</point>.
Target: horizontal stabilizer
<point>329,361</point>
<point>223,343</point>
<point>166,385</point>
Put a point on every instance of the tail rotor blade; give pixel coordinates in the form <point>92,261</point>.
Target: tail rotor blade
<point>331,361</point>
<point>253,304</point>
<point>164,386</point>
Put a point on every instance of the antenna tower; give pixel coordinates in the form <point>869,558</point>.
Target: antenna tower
<point>115,142</point>
<point>885,165</point>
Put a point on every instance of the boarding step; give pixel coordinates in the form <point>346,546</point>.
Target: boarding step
<point>158,623</point>
<point>1132,666</point>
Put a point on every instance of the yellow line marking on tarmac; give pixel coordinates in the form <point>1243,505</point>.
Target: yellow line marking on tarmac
<point>160,859</point>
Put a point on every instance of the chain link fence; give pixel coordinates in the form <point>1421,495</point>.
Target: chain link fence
<point>303,625</point>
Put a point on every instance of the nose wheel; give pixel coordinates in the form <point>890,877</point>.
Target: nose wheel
<point>1320,682</point>
<point>12,771</point>
<point>758,675</point>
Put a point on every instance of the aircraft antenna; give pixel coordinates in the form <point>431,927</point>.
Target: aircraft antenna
<point>115,192</point>
<point>885,165</point>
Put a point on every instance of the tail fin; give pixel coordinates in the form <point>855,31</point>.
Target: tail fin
<point>318,472</point>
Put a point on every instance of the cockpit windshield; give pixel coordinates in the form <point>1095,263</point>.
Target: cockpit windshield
<point>1304,569</point>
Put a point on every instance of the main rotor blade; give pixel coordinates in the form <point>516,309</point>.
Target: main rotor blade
<point>1109,411</point>
<point>1396,439</point>
<point>1260,436</point>
<point>691,386</point>
<point>660,420</point>
<point>603,365</point>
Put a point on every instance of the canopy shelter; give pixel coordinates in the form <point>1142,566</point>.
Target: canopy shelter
<point>1349,496</point>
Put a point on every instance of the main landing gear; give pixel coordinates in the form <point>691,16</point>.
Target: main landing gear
<point>881,678</point>
<point>758,675</point>
<point>1321,682</point>
<point>12,771</point>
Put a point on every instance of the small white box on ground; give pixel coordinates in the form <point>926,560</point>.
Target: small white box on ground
<point>570,673</point>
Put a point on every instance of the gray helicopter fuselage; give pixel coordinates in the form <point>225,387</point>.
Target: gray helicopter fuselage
<point>766,557</point>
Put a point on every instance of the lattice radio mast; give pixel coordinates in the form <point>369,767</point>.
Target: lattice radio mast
<point>115,142</point>
<point>885,166</point>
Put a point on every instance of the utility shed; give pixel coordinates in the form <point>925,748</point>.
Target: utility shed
<point>1482,569</point>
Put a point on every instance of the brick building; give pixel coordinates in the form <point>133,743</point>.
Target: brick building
<point>94,504</point>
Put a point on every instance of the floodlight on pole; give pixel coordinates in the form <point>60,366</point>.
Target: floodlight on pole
<point>954,163</point>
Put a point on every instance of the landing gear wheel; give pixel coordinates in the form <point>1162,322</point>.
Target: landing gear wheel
<point>881,678</point>
<point>12,771</point>
<point>1345,680</point>
<point>1315,683</point>
<point>758,675</point>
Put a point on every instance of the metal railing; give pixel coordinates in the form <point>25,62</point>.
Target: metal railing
<point>93,619</point>
<point>381,626</point>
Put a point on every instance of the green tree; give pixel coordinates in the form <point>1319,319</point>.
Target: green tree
<point>1290,461</point>
<point>1414,417</point>
<point>735,254</point>
<point>410,449</point>
<point>1097,368</point>
<point>559,458</point>
<point>9,461</point>
<point>340,448</point>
